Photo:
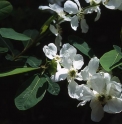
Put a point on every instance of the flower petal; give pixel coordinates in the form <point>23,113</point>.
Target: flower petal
<point>98,13</point>
<point>93,65</point>
<point>73,90</point>
<point>70,7</point>
<point>78,61</point>
<point>114,105</point>
<point>85,73</point>
<point>60,75</point>
<point>97,111</point>
<point>74,22</point>
<point>68,51</point>
<point>84,26</point>
<point>112,4</point>
<point>98,83</point>
<point>53,30</point>
<point>50,50</point>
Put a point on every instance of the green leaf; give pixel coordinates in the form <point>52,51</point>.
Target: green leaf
<point>16,71</point>
<point>118,49</point>
<point>53,87</point>
<point>46,24</point>
<point>31,92</point>
<point>32,34</point>
<point>7,43</point>
<point>11,34</point>
<point>111,60</point>
<point>5,9</point>
<point>3,49</point>
<point>81,45</point>
<point>33,61</point>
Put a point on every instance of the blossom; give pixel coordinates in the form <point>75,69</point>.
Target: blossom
<point>104,94</point>
<point>71,63</point>
<point>78,15</point>
<point>56,8</point>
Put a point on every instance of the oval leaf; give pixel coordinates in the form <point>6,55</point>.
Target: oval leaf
<point>53,87</point>
<point>11,34</point>
<point>111,60</point>
<point>16,71</point>
<point>30,93</point>
<point>5,9</point>
<point>81,45</point>
<point>33,61</point>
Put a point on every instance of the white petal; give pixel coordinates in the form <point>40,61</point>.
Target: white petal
<point>56,8</point>
<point>73,90</point>
<point>68,51</point>
<point>78,61</point>
<point>79,77</point>
<point>44,7</point>
<point>114,105</point>
<point>115,79</point>
<point>93,65</point>
<point>98,13</point>
<point>50,50</point>
<point>74,22</point>
<point>60,75</point>
<point>70,7</point>
<point>85,73</point>
<point>97,111</point>
<point>78,3</point>
<point>113,4</point>
<point>66,62</point>
<point>53,30</point>
<point>98,83</point>
<point>84,26</point>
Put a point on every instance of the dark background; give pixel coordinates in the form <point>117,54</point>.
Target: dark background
<point>61,109</point>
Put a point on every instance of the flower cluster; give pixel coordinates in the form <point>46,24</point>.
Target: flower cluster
<point>75,14</point>
<point>101,89</point>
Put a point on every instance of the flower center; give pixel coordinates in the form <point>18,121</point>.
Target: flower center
<point>80,15</point>
<point>102,98</point>
<point>57,58</point>
<point>72,73</point>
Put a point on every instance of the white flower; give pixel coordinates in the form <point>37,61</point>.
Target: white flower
<point>56,8</point>
<point>105,96</point>
<point>57,32</point>
<point>75,9</point>
<point>91,69</point>
<point>112,4</point>
<point>71,62</point>
<point>51,52</point>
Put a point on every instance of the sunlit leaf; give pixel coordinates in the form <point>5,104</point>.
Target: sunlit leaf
<point>16,71</point>
<point>31,92</point>
<point>5,9</point>
<point>118,49</point>
<point>53,87</point>
<point>52,68</point>
<point>81,45</point>
<point>46,24</point>
<point>33,61</point>
<point>11,34</point>
<point>111,60</point>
